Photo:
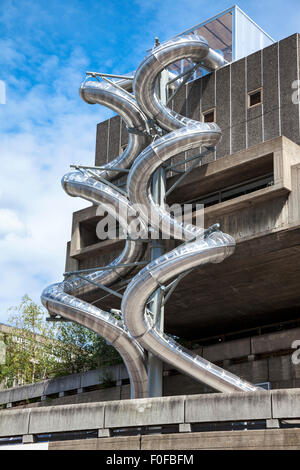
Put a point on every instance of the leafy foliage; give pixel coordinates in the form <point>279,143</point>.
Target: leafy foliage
<point>36,349</point>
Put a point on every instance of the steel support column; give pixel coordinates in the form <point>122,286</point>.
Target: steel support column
<point>155,365</point>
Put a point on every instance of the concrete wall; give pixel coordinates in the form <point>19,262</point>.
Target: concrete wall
<point>273,68</point>
<point>272,407</point>
<point>267,439</point>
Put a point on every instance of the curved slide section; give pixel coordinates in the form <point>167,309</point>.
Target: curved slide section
<point>185,134</point>
<point>137,331</point>
<point>59,299</point>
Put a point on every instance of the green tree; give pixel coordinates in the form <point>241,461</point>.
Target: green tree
<point>29,345</point>
<point>80,349</point>
<point>37,349</point>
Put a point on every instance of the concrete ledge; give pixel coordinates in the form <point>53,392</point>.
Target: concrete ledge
<point>106,443</point>
<point>209,408</point>
<point>144,412</point>
<point>62,384</point>
<point>66,418</point>
<point>271,439</point>
<point>286,403</point>
<point>214,407</point>
<point>14,423</point>
<point>5,396</point>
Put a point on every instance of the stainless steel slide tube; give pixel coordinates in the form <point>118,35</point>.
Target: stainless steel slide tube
<point>185,134</point>
<point>137,329</point>
<point>60,298</point>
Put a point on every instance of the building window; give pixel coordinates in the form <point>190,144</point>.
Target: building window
<point>254,98</point>
<point>209,116</point>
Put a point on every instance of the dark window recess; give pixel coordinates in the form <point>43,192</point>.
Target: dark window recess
<point>234,191</point>
<point>255,97</point>
<point>229,426</point>
<point>89,235</point>
<point>67,436</point>
<point>209,116</point>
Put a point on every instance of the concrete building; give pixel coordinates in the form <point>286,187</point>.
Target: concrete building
<point>241,314</point>
<point>250,186</point>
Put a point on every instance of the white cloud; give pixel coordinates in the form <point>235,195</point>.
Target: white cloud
<point>10,223</point>
<point>43,130</point>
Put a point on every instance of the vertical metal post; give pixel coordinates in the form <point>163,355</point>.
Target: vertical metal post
<point>155,365</point>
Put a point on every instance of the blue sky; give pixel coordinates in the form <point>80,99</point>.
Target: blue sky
<point>45,49</point>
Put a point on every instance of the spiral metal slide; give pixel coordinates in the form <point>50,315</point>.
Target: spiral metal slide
<point>136,332</point>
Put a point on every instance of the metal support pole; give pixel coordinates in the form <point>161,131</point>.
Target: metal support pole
<point>155,365</point>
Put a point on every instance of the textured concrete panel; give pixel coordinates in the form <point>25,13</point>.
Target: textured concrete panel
<point>27,391</point>
<point>193,111</point>
<point>237,406</point>
<point>254,115</point>
<point>238,105</point>
<point>253,371</point>
<point>209,158</point>
<point>124,133</point>
<point>66,418</point>
<point>179,104</point>
<point>98,376</point>
<point>208,92</point>
<point>254,72</point>
<point>288,74</point>
<point>14,423</point>
<point>101,143</point>
<point>223,109</point>
<point>5,396</point>
<point>193,94</point>
<point>227,350</point>
<point>265,439</point>
<point>144,412</point>
<point>114,138</point>
<point>274,341</point>
<point>106,443</point>
<point>183,385</point>
<point>125,392</point>
<point>254,125</point>
<point>282,368</point>
<point>62,384</point>
<point>286,403</point>
<point>270,92</point>
<point>123,374</point>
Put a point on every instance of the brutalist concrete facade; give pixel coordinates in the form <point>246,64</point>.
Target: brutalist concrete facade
<point>258,286</point>
<point>272,69</point>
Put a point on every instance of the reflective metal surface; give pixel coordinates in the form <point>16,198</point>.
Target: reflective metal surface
<point>137,329</point>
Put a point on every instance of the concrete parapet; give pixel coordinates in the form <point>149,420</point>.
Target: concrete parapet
<point>271,406</point>
<point>286,403</point>
<point>14,423</point>
<point>62,384</point>
<point>66,418</point>
<point>215,407</point>
<point>144,412</point>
